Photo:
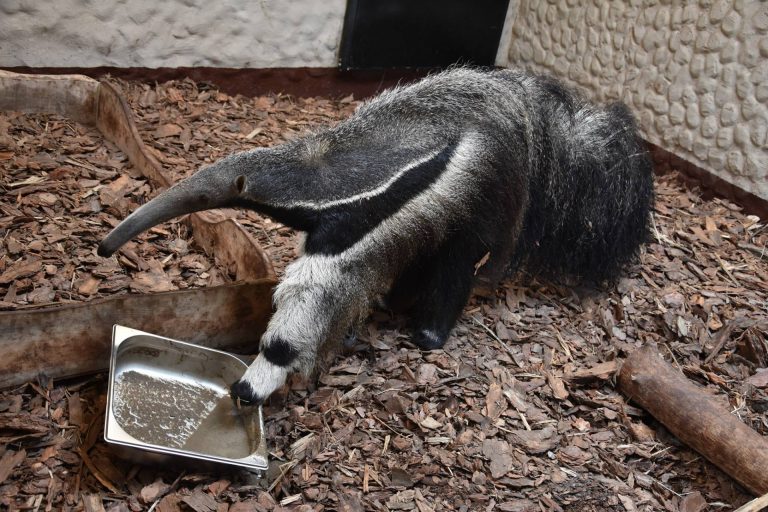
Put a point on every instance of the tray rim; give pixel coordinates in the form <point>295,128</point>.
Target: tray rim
<point>255,461</point>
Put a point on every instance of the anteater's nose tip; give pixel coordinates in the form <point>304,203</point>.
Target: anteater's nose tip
<point>103,251</point>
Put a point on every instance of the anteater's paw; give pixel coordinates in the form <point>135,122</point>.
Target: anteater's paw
<point>242,391</point>
<point>260,380</point>
<point>427,339</point>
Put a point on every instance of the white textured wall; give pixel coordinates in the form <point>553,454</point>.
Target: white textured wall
<point>695,73</point>
<point>170,33</point>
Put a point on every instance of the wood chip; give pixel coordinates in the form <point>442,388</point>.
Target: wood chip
<point>200,501</point>
<point>500,457</point>
<point>9,461</point>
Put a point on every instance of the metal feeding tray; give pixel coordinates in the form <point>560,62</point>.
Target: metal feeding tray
<point>172,398</point>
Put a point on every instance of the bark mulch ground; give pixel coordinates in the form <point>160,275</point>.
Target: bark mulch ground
<point>518,413</point>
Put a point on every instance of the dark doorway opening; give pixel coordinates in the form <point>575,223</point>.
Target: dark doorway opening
<point>380,34</point>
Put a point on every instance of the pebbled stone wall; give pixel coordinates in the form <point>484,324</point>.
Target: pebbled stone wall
<point>170,33</point>
<point>695,73</point>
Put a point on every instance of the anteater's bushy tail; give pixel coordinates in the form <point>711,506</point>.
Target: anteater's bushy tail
<point>592,192</point>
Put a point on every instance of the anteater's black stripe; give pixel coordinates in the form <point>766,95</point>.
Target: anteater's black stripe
<point>303,219</point>
<point>335,229</point>
<point>340,227</point>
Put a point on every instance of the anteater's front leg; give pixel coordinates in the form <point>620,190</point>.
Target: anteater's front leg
<point>316,302</point>
<point>261,379</point>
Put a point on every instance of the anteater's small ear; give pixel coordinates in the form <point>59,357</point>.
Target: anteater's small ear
<point>240,184</point>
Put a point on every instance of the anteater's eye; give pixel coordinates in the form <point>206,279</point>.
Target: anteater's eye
<point>240,183</point>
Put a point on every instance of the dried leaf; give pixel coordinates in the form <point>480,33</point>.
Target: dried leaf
<point>536,441</point>
<point>200,501</point>
<point>693,502</point>
<point>759,379</point>
<point>400,477</point>
<point>89,286</point>
<point>167,130</point>
<point>426,374</point>
<point>495,402</point>
<point>20,270</point>
<point>557,385</point>
<point>430,423</point>
<point>600,371</point>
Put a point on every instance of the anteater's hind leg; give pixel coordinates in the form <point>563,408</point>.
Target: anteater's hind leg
<point>441,291</point>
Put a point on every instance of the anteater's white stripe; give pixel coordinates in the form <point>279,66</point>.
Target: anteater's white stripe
<point>368,194</point>
<point>437,205</point>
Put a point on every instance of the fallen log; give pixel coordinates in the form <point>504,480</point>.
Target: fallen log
<point>695,418</point>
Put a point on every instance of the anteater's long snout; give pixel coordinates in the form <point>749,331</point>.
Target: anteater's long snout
<point>196,193</point>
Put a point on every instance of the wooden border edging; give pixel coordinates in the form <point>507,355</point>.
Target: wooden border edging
<point>67,341</point>
<point>215,232</point>
<point>71,340</point>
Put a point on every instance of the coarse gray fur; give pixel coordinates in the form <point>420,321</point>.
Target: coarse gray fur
<point>403,199</point>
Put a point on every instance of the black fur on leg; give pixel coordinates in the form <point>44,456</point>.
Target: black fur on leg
<point>243,391</point>
<point>444,285</point>
<point>279,352</point>
<point>429,340</point>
